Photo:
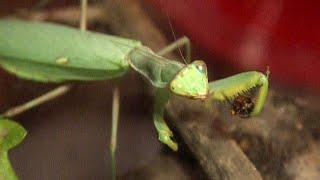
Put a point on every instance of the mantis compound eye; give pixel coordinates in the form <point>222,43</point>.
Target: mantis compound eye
<point>242,106</point>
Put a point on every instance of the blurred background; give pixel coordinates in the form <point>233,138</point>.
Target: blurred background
<point>68,137</point>
<point>281,34</point>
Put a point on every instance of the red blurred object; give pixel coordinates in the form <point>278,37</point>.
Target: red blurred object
<point>284,35</point>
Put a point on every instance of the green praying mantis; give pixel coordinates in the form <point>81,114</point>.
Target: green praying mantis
<point>50,52</point>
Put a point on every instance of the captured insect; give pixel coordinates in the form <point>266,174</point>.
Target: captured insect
<point>242,106</point>
<point>49,52</point>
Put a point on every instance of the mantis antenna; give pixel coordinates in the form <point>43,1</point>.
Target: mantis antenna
<point>174,37</point>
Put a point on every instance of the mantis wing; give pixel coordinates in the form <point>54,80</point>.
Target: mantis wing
<point>54,53</point>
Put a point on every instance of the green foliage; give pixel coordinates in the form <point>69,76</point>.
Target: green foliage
<point>11,134</point>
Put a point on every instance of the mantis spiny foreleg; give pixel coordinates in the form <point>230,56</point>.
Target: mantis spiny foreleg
<point>230,87</point>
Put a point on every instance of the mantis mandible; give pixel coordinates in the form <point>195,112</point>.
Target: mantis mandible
<point>49,52</point>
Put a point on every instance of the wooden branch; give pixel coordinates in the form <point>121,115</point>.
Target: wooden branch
<point>165,166</point>
<point>219,156</point>
<point>283,132</point>
<point>306,165</point>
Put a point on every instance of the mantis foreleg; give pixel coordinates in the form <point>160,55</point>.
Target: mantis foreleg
<point>230,87</point>
<point>164,132</point>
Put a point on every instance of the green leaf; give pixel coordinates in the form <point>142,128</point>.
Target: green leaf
<point>11,134</point>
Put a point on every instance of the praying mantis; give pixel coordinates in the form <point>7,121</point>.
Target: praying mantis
<point>50,52</point>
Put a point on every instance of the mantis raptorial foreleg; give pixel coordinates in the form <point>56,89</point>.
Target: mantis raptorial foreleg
<point>229,88</point>
<point>164,133</point>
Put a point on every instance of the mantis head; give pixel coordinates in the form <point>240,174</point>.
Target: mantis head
<point>191,81</point>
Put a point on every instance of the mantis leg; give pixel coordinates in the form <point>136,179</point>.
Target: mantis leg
<point>230,87</point>
<point>184,41</point>
<point>59,91</point>
<point>114,128</point>
<point>165,134</point>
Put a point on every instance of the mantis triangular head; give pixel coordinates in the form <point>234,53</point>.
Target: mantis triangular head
<point>191,81</point>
